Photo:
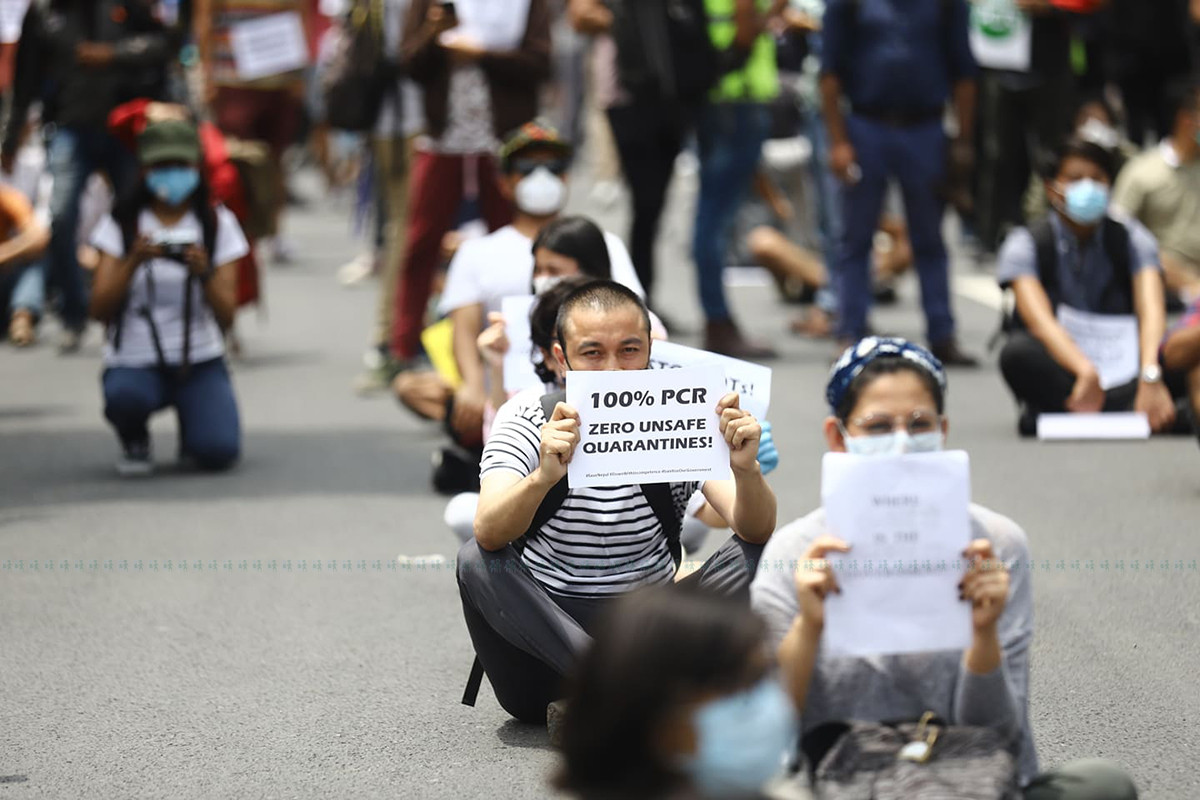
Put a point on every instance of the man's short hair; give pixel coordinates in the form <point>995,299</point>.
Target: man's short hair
<point>1182,96</point>
<point>600,296</point>
<point>1076,147</point>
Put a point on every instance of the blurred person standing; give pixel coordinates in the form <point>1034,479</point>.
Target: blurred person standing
<point>82,58</point>
<point>731,131</point>
<point>253,97</point>
<point>480,63</point>
<point>651,102</point>
<point>401,120</point>
<point>1149,50</point>
<point>1023,113</point>
<point>895,66</point>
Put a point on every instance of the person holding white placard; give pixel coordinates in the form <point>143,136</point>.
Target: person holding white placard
<point>1078,277</point>
<point>252,56</point>
<point>547,558</point>
<point>479,64</point>
<point>886,398</point>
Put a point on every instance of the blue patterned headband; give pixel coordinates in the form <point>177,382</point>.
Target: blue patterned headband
<point>858,356</point>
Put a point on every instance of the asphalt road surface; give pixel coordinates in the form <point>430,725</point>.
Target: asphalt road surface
<point>254,635</point>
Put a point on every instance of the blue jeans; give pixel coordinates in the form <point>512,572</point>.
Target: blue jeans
<point>74,154</point>
<point>730,136</point>
<point>23,289</point>
<point>829,210</point>
<point>916,157</point>
<point>209,429</point>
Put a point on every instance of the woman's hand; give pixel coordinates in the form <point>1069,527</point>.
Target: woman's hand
<point>143,250</point>
<point>985,585</point>
<point>196,259</point>
<point>815,580</point>
<point>493,342</point>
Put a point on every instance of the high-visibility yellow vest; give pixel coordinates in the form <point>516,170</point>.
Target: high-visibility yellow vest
<point>758,78</point>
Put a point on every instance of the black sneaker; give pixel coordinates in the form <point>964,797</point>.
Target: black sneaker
<point>455,471</point>
<point>1027,423</point>
<point>135,461</point>
<point>556,714</point>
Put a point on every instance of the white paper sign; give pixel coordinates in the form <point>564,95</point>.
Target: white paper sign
<point>518,368</point>
<point>1110,341</point>
<point>1116,425</point>
<point>751,381</point>
<point>1001,35</point>
<point>907,521</point>
<point>269,45</point>
<point>647,426</point>
<point>12,16</point>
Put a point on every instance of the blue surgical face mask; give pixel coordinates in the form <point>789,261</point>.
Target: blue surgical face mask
<point>1086,201</point>
<point>741,740</point>
<point>894,444</point>
<point>173,185</point>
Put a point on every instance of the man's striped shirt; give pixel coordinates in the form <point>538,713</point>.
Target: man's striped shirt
<point>601,541</point>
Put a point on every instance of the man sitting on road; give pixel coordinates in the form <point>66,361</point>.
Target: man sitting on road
<point>528,610</point>
<point>1161,189</point>
<point>1083,262</point>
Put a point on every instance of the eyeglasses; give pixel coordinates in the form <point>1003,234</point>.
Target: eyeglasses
<point>917,423</point>
<point>524,166</point>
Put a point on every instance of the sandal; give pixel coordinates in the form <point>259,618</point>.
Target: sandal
<point>20,329</point>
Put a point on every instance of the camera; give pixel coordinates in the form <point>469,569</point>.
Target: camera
<point>172,244</point>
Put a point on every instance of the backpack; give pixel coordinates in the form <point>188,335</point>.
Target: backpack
<point>658,495</point>
<point>910,761</point>
<point>1118,295</point>
<point>129,232</point>
<point>358,74</point>
<point>664,53</point>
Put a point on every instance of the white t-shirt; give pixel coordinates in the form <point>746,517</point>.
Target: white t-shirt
<point>488,269</point>
<point>165,302</point>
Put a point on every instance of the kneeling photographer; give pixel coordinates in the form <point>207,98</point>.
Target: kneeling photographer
<point>166,288</point>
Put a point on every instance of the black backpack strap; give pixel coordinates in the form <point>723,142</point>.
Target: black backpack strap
<point>558,493</point>
<point>659,496</point>
<point>1118,296</point>
<point>474,681</point>
<point>1045,248</point>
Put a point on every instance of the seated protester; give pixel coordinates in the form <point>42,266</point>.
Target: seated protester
<point>166,286</point>
<point>567,247</point>
<point>1161,189</point>
<point>460,511</point>
<point>674,698</point>
<point>886,397</point>
<point>529,610</point>
<point>1181,357</point>
<point>484,271</point>
<point>493,344</point>
<point>23,240</point>
<point>1083,257</point>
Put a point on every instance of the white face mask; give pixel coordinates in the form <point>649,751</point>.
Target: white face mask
<point>894,443</point>
<point>541,193</point>
<point>545,283</point>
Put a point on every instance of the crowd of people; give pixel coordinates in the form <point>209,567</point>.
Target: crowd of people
<point>145,169</point>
